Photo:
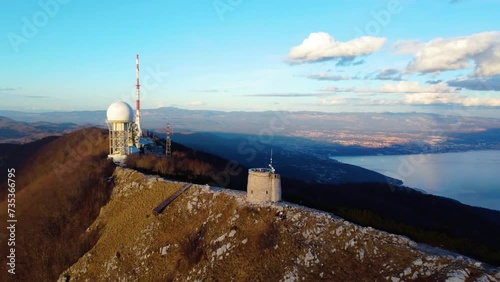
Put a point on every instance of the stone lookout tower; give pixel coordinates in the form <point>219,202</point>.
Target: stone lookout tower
<point>264,185</point>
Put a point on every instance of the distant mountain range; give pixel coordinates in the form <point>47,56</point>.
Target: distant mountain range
<point>280,122</point>
<point>360,133</point>
<point>12,131</point>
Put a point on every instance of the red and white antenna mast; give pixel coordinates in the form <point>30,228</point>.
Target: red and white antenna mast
<point>137,99</point>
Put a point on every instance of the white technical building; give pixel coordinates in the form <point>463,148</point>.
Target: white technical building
<point>120,120</point>
<point>264,185</point>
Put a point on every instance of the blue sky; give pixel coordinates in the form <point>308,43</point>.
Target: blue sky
<point>334,56</point>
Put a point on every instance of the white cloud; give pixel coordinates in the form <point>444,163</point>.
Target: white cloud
<point>386,74</point>
<point>414,87</point>
<point>197,103</point>
<point>431,98</point>
<point>442,54</point>
<point>406,47</point>
<point>320,46</point>
<point>326,76</point>
<point>493,102</point>
<point>400,87</point>
<point>286,94</point>
<point>450,98</point>
<point>334,101</point>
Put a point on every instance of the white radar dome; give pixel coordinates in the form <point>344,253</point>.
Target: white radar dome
<point>120,111</point>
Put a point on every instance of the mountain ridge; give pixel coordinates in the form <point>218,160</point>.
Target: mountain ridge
<point>68,178</point>
<point>210,233</point>
<point>359,133</point>
<point>14,131</point>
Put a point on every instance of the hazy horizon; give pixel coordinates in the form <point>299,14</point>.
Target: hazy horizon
<point>468,113</point>
<point>397,56</point>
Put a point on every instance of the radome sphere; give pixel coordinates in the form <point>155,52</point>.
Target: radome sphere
<point>120,111</point>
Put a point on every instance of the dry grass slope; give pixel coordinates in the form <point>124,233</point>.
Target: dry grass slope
<point>59,194</point>
<point>212,234</point>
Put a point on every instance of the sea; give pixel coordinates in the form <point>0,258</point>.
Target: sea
<point>472,177</point>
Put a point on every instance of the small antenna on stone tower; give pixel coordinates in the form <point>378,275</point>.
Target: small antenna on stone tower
<point>271,162</point>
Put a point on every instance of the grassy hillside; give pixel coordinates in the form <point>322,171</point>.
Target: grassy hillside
<point>60,190</point>
<point>427,218</point>
<point>62,182</point>
<point>211,234</point>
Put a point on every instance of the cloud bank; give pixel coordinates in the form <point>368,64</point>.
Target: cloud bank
<point>477,84</point>
<point>450,98</point>
<point>443,54</point>
<point>400,87</point>
<point>321,46</point>
<point>197,103</point>
<point>326,76</point>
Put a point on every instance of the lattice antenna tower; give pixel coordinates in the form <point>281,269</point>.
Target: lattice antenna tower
<point>168,141</point>
<point>137,99</point>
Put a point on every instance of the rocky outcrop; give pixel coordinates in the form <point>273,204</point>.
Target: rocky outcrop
<point>213,234</point>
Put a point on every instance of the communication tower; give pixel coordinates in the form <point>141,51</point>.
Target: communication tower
<point>168,141</point>
<point>138,133</point>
